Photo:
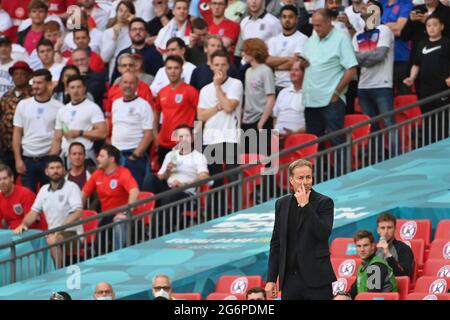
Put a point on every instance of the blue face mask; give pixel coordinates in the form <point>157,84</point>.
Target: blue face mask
<point>104,298</point>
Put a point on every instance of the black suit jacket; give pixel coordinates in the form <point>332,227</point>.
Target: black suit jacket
<point>314,230</point>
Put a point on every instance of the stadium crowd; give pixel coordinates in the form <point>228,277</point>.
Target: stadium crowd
<point>99,100</point>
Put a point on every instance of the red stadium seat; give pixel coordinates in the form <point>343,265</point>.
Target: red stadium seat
<point>148,206</point>
<point>378,296</point>
<point>90,225</point>
<point>437,268</point>
<point>249,186</point>
<point>350,120</point>
<point>292,141</point>
<point>406,131</point>
<point>357,106</point>
<point>237,284</point>
<point>432,285</point>
<point>413,229</point>
<point>440,249</point>
<point>226,296</point>
<point>343,284</point>
<point>345,268</point>
<point>187,296</point>
<point>343,248</point>
<point>418,248</point>
<point>427,296</point>
<point>443,230</point>
<point>402,286</point>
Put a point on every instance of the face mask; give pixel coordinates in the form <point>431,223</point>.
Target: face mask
<point>162,293</point>
<point>104,298</point>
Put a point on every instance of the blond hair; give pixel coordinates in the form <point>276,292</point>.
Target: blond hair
<point>297,164</point>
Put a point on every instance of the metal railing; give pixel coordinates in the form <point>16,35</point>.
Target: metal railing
<point>240,190</point>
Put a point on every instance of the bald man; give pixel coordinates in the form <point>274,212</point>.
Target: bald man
<point>104,291</point>
<point>132,123</point>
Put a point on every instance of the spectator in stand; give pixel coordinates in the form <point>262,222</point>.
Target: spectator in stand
<point>196,51</point>
<point>259,94</point>
<point>60,91</point>
<point>152,58</point>
<point>203,74</point>
<point>175,46</point>
<point>395,15</point>
<point>80,171</point>
<point>353,13</point>
<point>30,37</point>
<point>95,35</point>
<point>126,63</point>
<point>116,38</point>
<point>236,10</point>
<point>275,8</point>
<point>81,39</point>
<point>285,47</point>
<point>60,201</point>
<point>289,109</point>
<point>182,166</point>
<point>115,186</point>
<point>256,293</point>
<point>330,64</point>
<point>104,291</point>
<point>397,254</point>
<point>374,274</point>
<point>132,123</point>
<point>374,49</point>
<point>21,75</point>
<point>177,102</point>
<point>6,61</point>
<point>60,295</point>
<point>51,32</point>
<point>140,71</point>
<point>415,29</point>
<point>46,54</point>
<point>163,15</point>
<point>17,10</point>
<point>79,120</point>
<point>339,18</point>
<point>34,123</point>
<point>228,30</point>
<point>162,287</point>
<point>15,200</point>
<point>179,26</point>
<point>95,81</point>
<point>98,17</point>
<point>220,109</point>
<point>431,71</point>
<point>259,23</point>
<point>144,9</point>
<point>49,17</point>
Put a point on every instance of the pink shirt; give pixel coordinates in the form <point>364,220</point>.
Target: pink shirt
<point>31,40</point>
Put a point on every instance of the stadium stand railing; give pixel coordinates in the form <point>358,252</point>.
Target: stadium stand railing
<point>214,202</point>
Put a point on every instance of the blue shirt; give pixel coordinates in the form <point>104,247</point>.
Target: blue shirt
<point>328,59</point>
<point>400,9</point>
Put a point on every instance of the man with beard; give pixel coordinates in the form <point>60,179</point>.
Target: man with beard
<point>285,47</point>
<point>115,187</point>
<point>152,58</point>
<point>299,252</point>
<point>60,200</point>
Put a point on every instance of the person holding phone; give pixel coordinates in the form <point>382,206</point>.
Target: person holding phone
<point>415,29</point>
<point>299,251</point>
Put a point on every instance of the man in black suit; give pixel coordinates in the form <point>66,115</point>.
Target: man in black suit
<point>299,252</point>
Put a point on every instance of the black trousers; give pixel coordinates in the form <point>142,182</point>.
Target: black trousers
<point>295,289</point>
